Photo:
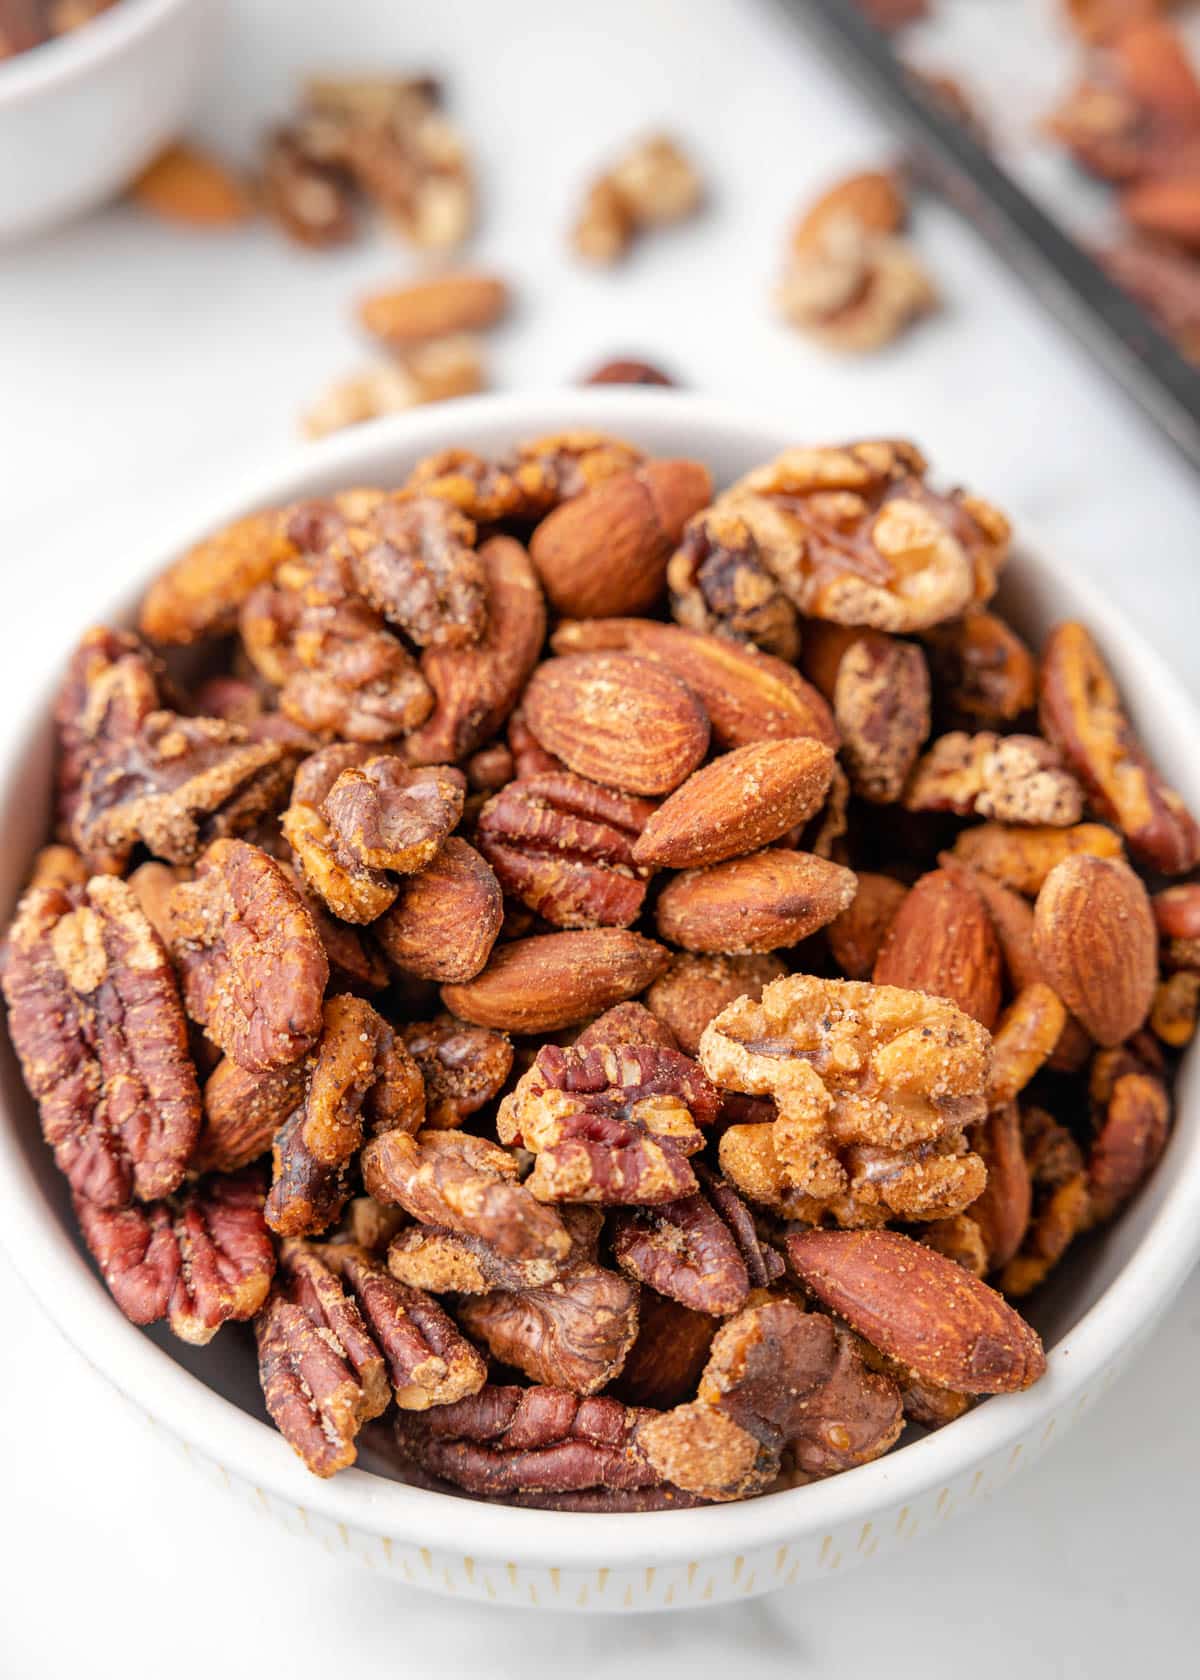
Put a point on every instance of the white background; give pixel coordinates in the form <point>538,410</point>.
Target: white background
<point>141,368</point>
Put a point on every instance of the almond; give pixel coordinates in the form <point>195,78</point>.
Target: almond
<point>186,185</point>
<point>557,979</point>
<point>749,696</point>
<point>445,920</point>
<point>449,303</point>
<point>1096,944</point>
<point>617,720</point>
<point>605,552</point>
<point>759,903</point>
<point>738,803</point>
<point>942,941</point>
<point>920,1308</point>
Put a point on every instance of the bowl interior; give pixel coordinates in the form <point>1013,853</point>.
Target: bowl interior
<point>1160,1232</point>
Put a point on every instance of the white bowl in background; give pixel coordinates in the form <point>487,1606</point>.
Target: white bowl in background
<point>81,115</point>
<point>1096,1310</point>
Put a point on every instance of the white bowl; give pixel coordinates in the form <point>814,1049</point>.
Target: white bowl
<point>1105,1299</point>
<point>80,116</point>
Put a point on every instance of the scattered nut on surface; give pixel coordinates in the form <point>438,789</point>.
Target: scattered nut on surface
<point>651,185</point>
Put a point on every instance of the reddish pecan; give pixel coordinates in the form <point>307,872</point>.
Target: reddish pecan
<point>463,1067</point>
<point>1081,713</point>
<point>573,1332</point>
<point>610,1123</point>
<point>1137,112</point>
<point>878,687</point>
<point>429,1363</point>
<point>111,686</point>
<point>253,967</point>
<point>718,582</point>
<point>464,1184</point>
<point>196,1259</point>
<point>508,1440</point>
<point>321,1372</point>
<point>96,1019</point>
<point>564,847</point>
<point>388,816</point>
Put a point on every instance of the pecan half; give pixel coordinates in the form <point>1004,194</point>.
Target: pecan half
<point>352,890</point>
<point>463,1067</point>
<point>96,1020</point>
<point>386,815</point>
<point>564,847</point>
<point>610,1123</point>
<point>702,1251</point>
<point>506,1440</point>
<point>429,1362</point>
<point>718,583</point>
<point>197,1259</point>
<point>322,1373</point>
<point>415,561</point>
<point>573,1332</point>
<point>1081,713</point>
<point>446,918</point>
<point>476,687</point>
<point>252,966</point>
<point>855,535</point>
<point>111,685</point>
<point>1011,778</point>
<point>878,687</point>
<point>464,1184</point>
<point>874,1087</point>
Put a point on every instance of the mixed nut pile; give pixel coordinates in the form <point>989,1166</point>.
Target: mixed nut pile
<point>623,1041</point>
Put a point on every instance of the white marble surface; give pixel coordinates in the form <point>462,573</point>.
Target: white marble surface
<point>140,368</point>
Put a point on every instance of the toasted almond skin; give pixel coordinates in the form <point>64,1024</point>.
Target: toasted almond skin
<point>738,803</point>
<point>449,303</point>
<point>749,696</point>
<point>605,553</point>
<point>1096,944</point>
<point>920,1308</point>
<point>762,902</point>
<point>941,940</point>
<point>186,185</point>
<point>557,979</point>
<point>618,720</point>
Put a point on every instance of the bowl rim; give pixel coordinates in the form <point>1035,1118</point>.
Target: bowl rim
<point>78,1303</point>
<point>68,58</point>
